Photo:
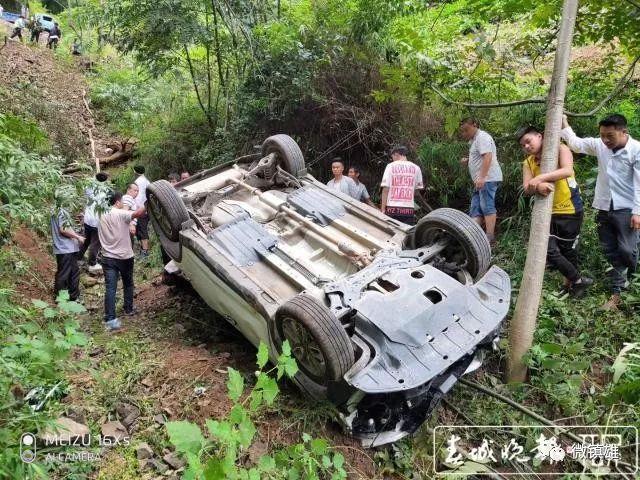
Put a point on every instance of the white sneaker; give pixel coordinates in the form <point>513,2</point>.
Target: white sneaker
<point>95,268</point>
<point>112,325</point>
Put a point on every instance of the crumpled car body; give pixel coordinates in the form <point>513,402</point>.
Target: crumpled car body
<point>382,317</point>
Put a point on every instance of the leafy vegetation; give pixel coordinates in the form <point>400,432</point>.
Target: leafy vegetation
<point>33,365</point>
<point>218,455</point>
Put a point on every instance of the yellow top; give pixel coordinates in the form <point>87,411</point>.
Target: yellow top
<point>566,196</point>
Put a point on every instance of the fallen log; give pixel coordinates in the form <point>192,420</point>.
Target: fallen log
<point>121,153</point>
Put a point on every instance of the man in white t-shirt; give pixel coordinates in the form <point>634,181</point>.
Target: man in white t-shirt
<point>485,172</point>
<point>117,257</point>
<point>142,227</point>
<point>129,203</point>
<point>400,180</point>
<point>361,190</point>
<point>96,194</point>
<point>341,182</point>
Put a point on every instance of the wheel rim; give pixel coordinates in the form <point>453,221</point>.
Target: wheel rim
<point>161,220</point>
<point>454,251</point>
<point>304,348</point>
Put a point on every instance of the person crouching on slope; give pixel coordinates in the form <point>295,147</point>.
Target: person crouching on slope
<point>567,212</point>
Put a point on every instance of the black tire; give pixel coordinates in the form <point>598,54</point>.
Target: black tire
<point>288,153</point>
<point>469,249</point>
<point>310,327</point>
<point>167,213</point>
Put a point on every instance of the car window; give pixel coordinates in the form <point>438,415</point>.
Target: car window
<point>48,19</point>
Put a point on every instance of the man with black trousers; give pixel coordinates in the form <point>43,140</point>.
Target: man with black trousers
<point>95,193</point>
<point>616,198</point>
<point>66,243</point>
<point>117,257</point>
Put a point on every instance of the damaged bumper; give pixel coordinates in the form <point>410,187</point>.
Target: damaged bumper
<point>420,340</point>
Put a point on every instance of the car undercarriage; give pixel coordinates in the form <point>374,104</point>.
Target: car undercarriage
<point>382,318</point>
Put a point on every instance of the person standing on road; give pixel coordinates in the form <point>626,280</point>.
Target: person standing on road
<point>66,243</point>
<point>400,181</point>
<point>18,25</point>
<point>339,182</point>
<point>361,190</point>
<point>567,210</point>
<point>616,197</point>
<point>96,194</point>
<point>117,257</point>
<point>485,172</point>
<point>142,227</point>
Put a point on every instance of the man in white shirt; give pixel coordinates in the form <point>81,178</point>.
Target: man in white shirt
<point>142,227</point>
<point>129,203</point>
<point>361,190</point>
<point>400,180</point>
<point>18,25</point>
<point>117,257</point>
<point>616,197</point>
<point>339,181</point>
<point>96,194</point>
<point>485,172</point>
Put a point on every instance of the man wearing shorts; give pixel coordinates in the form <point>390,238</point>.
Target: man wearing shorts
<point>485,172</point>
<point>400,181</point>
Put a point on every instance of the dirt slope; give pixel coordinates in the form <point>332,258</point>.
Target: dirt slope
<point>48,88</point>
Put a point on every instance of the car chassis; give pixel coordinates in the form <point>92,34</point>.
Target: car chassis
<point>382,318</point>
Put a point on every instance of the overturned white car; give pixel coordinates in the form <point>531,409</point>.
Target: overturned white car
<point>382,318</point>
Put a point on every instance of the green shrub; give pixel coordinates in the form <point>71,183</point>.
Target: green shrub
<point>34,357</point>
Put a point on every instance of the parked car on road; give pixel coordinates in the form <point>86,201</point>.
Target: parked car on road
<point>382,318</point>
<point>45,21</point>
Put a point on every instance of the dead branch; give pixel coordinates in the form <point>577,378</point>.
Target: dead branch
<point>90,130</point>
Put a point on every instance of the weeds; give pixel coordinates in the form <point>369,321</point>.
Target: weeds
<point>33,363</point>
<point>218,454</point>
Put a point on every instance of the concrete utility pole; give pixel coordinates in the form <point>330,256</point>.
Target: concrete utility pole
<point>523,323</point>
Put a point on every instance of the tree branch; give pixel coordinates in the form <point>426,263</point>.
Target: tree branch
<point>195,87</point>
<point>634,3</point>
<point>488,105</point>
<point>618,88</point>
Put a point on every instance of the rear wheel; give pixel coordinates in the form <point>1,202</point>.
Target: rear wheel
<point>167,213</point>
<point>288,154</point>
<point>318,341</point>
<point>466,243</point>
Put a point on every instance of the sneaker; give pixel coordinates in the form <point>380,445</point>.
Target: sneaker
<point>612,304</point>
<point>579,288</point>
<point>113,325</point>
<point>143,255</point>
<point>95,268</point>
<point>130,313</point>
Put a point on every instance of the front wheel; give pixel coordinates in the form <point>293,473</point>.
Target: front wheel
<point>318,341</point>
<point>167,213</point>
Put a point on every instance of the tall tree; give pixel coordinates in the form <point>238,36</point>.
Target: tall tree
<point>523,323</point>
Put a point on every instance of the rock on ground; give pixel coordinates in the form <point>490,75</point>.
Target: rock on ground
<point>64,430</point>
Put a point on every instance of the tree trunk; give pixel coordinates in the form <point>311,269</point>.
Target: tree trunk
<point>523,323</point>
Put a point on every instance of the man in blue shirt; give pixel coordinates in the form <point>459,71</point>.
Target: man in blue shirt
<point>66,244</point>
<point>616,197</point>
